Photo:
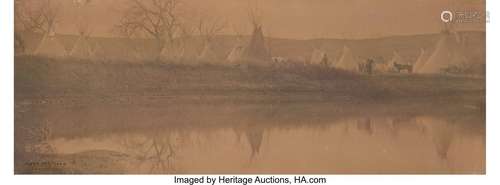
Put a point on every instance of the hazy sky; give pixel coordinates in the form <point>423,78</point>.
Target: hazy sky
<point>303,19</point>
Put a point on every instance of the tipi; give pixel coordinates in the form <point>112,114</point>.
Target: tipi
<point>208,54</point>
<point>256,51</point>
<point>173,52</point>
<point>347,61</point>
<point>50,46</point>
<point>236,53</point>
<point>83,49</point>
<point>446,53</point>
<point>420,60</point>
<point>137,53</point>
<point>99,51</point>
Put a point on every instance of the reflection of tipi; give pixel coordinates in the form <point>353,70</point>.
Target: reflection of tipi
<point>83,49</point>
<point>319,57</point>
<point>441,133</point>
<point>256,51</point>
<point>446,53</point>
<point>208,54</point>
<point>347,61</point>
<point>50,46</point>
<point>420,60</point>
<point>365,125</point>
<point>254,136</point>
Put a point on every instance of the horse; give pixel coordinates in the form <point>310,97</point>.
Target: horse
<point>402,67</point>
<point>367,66</point>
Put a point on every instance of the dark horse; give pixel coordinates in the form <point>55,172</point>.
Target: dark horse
<point>402,67</point>
<point>367,66</point>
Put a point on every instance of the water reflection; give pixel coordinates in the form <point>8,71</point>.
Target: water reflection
<point>365,125</point>
<point>441,132</point>
<point>254,135</point>
<point>258,138</point>
<point>156,152</point>
<point>420,144</point>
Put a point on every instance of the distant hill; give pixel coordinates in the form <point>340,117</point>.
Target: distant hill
<point>407,46</point>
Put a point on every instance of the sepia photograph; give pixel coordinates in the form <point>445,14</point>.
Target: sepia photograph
<point>249,87</point>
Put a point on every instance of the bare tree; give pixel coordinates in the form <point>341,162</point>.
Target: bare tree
<point>33,16</point>
<point>40,18</point>
<point>209,27</point>
<point>19,45</point>
<point>157,19</point>
<point>254,14</point>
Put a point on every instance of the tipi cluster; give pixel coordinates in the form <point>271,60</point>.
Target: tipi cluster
<point>51,44</point>
<point>447,52</point>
